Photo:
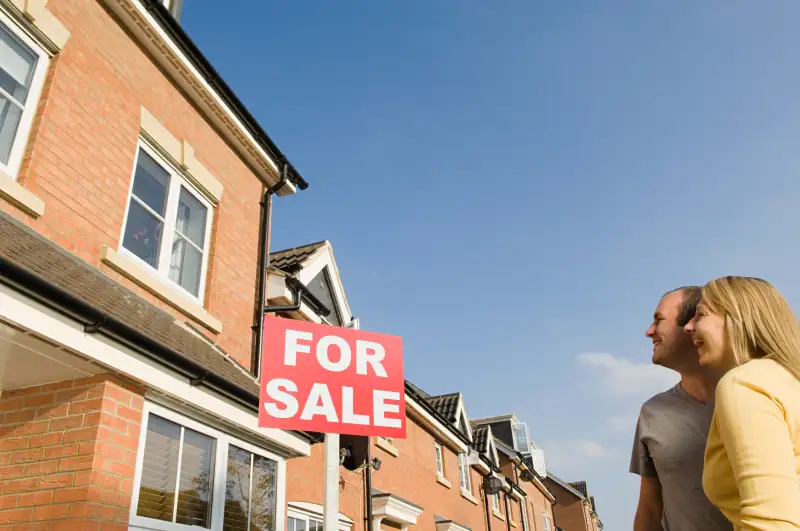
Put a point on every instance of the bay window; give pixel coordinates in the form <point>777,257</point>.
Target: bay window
<point>190,476</point>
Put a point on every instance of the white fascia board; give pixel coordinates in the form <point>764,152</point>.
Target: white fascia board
<point>31,315</point>
<point>149,33</point>
<point>418,413</point>
<point>516,495</point>
<point>313,264</point>
<point>462,414</point>
<point>278,293</point>
<point>476,462</point>
<point>544,490</point>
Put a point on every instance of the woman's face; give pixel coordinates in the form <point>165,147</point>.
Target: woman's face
<point>710,337</point>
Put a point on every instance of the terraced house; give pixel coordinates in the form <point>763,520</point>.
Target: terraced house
<point>136,195</point>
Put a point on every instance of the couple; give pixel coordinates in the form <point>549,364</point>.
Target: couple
<point>723,446</point>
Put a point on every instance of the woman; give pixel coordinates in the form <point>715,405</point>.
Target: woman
<point>745,329</point>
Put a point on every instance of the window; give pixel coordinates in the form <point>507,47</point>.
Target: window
<point>496,503</point>
<point>522,438</point>
<point>546,521</point>
<point>167,224</point>
<point>191,476</point>
<point>463,468</point>
<point>304,524</point>
<point>439,460</point>
<point>22,69</point>
<point>523,509</point>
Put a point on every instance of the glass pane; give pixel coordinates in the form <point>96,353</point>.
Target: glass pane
<point>291,525</point>
<point>16,66</point>
<point>300,525</point>
<point>185,265</point>
<point>142,233</point>
<point>196,480</point>
<point>237,490</point>
<point>150,183</point>
<point>10,114</point>
<point>262,513</point>
<point>159,469</point>
<point>191,220</point>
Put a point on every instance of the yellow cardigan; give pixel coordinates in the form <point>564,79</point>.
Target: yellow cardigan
<point>752,459</point>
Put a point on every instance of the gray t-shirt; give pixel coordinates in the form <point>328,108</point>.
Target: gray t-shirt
<point>670,445</point>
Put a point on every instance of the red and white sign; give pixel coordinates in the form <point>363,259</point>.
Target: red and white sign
<point>328,379</point>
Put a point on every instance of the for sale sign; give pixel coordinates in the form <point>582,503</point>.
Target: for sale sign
<point>328,379</point>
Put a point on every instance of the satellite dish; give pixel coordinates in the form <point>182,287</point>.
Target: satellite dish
<point>356,450</point>
<point>527,475</point>
<point>492,485</point>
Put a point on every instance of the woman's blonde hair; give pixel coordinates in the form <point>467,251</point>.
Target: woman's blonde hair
<point>759,321</point>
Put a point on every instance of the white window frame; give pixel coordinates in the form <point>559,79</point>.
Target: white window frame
<point>21,137</point>
<point>465,480</point>
<point>298,513</point>
<point>546,518</point>
<point>223,441</point>
<point>304,517</point>
<point>439,459</point>
<point>176,182</point>
<point>496,503</point>
<point>523,507</point>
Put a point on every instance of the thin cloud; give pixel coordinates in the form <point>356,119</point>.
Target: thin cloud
<point>622,424</point>
<point>622,378</point>
<point>575,456</point>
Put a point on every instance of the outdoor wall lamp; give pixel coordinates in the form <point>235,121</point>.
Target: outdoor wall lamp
<point>376,463</point>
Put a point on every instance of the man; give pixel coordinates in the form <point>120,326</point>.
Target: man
<point>672,429</point>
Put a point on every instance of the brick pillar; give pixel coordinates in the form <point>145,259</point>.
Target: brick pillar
<point>68,454</point>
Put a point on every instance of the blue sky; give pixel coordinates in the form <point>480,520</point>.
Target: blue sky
<point>511,186</point>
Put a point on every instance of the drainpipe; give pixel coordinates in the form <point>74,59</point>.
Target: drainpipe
<point>368,486</point>
<point>508,512</point>
<point>263,272</point>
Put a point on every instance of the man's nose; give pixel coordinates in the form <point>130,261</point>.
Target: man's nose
<point>650,331</point>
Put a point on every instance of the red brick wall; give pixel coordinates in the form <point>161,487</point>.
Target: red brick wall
<point>68,454</point>
<point>79,160</point>
<point>535,502</point>
<point>411,475</point>
<point>569,510</point>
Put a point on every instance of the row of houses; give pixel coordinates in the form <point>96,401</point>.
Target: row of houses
<point>136,196</point>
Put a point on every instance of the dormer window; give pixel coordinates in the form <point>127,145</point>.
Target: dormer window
<point>522,438</point>
<point>320,286</point>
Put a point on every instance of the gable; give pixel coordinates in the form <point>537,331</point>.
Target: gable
<point>320,286</point>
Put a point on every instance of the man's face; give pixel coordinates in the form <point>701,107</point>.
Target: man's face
<point>670,343</point>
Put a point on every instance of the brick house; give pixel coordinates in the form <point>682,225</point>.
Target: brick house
<point>523,463</point>
<point>135,195</point>
<point>574,510</point>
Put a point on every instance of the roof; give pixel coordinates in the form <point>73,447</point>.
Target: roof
<point>480,439</point>
<point>196,57</point>
<point>47,261</point>
<point>447,405</point>
<point>566,486</point>
<point>290,260</point>
<point>580,486</point>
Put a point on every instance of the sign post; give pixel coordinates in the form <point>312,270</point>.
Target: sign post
<point>331,380</point>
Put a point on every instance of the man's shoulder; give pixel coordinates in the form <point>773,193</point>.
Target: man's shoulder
<point>664,397</point>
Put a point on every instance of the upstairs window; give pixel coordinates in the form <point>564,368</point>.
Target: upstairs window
<point>496,503</point>
<point>23,66</point>
<point>167,224</point>
<point>439,460</point>
<point>463,468</point>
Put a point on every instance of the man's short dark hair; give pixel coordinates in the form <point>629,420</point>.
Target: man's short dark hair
<point>691,298</point>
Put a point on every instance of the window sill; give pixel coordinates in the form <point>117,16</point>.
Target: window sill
<point>387,447</point>
<point>443,481</point>
<point>14,193</point>
<point>154,285</point>
<point>498,515</point>
<point>469,497</point>
<point>513,523</point>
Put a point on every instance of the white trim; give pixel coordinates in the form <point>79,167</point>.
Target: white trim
<point>464,473</point>
<point>443,481</point>
<point>144,28</point>
<point>492,449</point>
<point>425,419</point>
<point>223,441</point>
<point>395,510</point>
<point>315,263</point>
<point>30,315</point>
<point>461,414</point>
<point>177,182</point>
<point>308,511</point>
<point>20,197</point>
<point>450,526</point>
<point>29,109</point>
<point>439,452</point>
<point>475,461</point>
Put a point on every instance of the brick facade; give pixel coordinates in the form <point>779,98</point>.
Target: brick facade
<point>411,475</point>
<point>571,512</point>
<point>80,154</point>
<point>68,454</point>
